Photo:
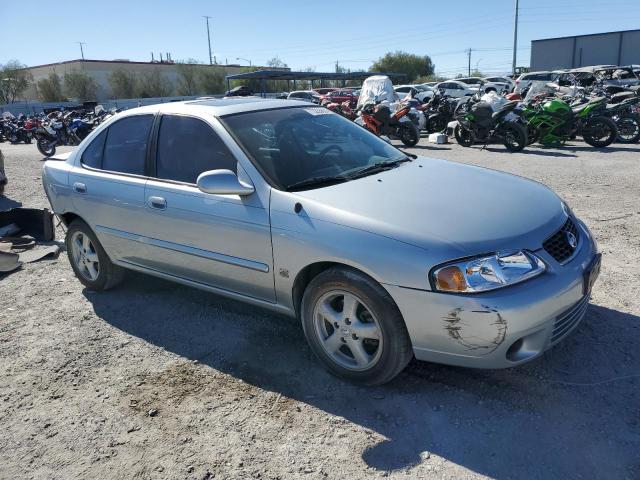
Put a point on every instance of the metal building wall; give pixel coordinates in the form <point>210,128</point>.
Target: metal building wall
<point>614,48</point>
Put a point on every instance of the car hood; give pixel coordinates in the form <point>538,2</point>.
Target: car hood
<point>431,203</point>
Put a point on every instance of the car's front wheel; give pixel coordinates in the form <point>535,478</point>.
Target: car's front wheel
<point>89,261</point>
<point>354,327</point>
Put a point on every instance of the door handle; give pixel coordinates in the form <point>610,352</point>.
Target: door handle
<point>158,202</point>
<point>80,187</point>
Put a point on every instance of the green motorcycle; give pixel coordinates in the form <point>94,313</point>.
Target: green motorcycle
<point>551,121</point>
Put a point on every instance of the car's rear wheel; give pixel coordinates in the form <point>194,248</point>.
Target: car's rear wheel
<point>88,259</point>
<point>354,327</point>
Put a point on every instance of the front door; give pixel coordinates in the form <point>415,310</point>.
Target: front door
<point>218,240</point>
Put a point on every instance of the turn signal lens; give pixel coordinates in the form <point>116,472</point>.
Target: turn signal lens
<point>450,279</point>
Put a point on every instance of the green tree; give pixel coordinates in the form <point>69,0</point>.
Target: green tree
<point>188,77</point>
<point>413,66</point>
<point>430,78</point>
<point>153,84</point>
<point>276,62</point>
<point>79,85</point>
<point>211,80</point>
<point>50,88</point>
<point>14,80</point>
<point>122,83</point>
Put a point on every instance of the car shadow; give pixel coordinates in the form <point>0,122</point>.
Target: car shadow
<point>521,422</point>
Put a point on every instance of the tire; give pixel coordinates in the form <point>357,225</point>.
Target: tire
<point>628,129</point>
<point>438,123</point>
<point>409,134</point>
<point>464,137</point>
<point>600,132</point>
<point>514,137</point>
<point>533,135</point>
<point>375,313</point>
<point>103,275</point>
<point>45,148</point>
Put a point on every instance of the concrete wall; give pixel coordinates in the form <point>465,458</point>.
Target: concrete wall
<point>100,70</point>
<point>615,48</point>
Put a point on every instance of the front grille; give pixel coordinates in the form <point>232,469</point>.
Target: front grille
<point>558,245</point>
<point>569,319</point>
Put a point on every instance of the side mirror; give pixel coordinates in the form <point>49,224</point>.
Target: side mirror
<point>223,182</point>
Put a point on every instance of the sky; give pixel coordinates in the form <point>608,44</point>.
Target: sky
<point>303,34</point>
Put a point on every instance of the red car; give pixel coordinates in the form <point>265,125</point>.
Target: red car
<point>340,96</point>
<point>324,91</point>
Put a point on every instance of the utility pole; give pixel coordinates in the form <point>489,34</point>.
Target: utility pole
<point>209,40</point>
<point>515,40</point>
<point>81,50</point>
<point>469,61</point>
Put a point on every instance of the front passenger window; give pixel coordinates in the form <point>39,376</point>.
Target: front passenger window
<point>187,147</point>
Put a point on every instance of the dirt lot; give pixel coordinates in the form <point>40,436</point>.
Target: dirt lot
<point>155,380</point>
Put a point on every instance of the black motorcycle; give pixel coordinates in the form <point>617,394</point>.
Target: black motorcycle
<point>478,123</point>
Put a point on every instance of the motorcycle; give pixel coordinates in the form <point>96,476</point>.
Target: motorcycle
<point>377,118</point>
<point>478,122</point>
<point>552,121</point>
<point>64,130</point>
<point>343,109</point>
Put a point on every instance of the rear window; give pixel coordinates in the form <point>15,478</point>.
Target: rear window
<point>125,148</point>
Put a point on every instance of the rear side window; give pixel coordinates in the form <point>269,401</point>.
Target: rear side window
<point>92,155</point>
<point>126,146</point>
<point>187,147</point>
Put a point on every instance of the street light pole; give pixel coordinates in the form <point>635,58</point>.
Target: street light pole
<point>81,50</point>
<point>515,39</point>
<point>245,59</point>
<point>209,40</point>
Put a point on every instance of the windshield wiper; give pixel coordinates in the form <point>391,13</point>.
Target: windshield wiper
<point>317,181</point>
<point>376,168</point>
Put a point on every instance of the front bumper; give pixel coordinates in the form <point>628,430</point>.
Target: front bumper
<point>500,328</point>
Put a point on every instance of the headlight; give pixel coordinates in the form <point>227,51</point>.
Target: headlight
<point>489,272</point>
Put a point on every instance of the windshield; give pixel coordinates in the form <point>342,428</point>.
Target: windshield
<point>292,146</point>
<point>539,87</point>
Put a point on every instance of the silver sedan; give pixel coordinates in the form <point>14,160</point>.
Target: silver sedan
<point>285,205</point>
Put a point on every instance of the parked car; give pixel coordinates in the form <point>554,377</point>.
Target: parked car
<point>454,88</point>
<point>240,91</point>
<point>422,94</point>
<point>510,82</point>
<point>305,95</point>
<point>324,91</point>
<point>524,81</point>
<point>481,84</point>
<point>288,206</point>
<point>340,96</point>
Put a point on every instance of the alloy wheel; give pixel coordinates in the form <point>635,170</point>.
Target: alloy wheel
<point>347,330</point>
<point>85,256</point>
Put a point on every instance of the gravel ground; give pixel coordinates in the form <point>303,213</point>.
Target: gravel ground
<point>156,380</point>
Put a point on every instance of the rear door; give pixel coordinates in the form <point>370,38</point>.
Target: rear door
<point>108,185</point>
<point>218,240</point>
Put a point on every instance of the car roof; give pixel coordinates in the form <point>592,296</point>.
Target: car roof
<point>217,106</point>
<point>304,91</point>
